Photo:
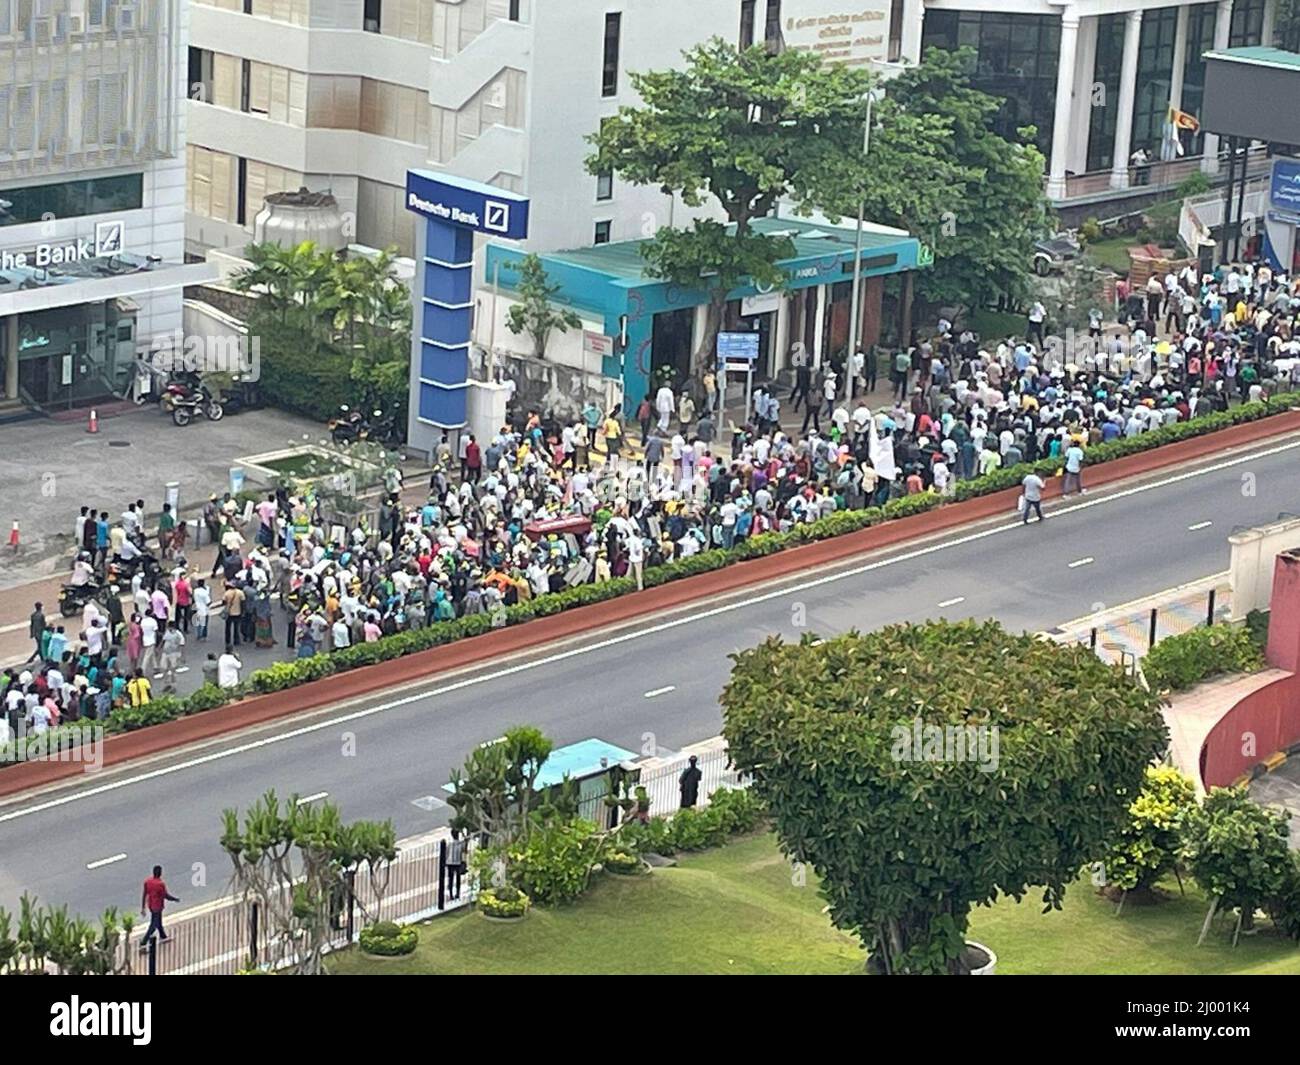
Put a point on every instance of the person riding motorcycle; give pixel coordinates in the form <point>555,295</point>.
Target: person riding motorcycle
<point>83,573</point>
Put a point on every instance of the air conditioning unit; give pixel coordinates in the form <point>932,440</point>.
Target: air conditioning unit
<point>43,29</point>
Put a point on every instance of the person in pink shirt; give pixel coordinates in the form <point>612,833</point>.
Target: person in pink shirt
<point>159,604</point>
<point>184,601</point>
<point>266,512</point>
<point>371,629</point>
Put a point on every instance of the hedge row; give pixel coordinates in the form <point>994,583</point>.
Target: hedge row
<point>1183,661</point>
<point>284,675</point>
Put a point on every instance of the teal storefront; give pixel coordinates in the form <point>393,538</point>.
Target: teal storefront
<point>658,320</point>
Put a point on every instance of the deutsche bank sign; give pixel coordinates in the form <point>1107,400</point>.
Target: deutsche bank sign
<point>467,204</point>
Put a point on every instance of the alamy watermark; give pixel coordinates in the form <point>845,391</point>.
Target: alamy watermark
<point>921,742</point>
<point>65,743</point>
<point>232,353</point>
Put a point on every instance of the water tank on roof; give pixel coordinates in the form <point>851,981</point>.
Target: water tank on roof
<point>289,218</point>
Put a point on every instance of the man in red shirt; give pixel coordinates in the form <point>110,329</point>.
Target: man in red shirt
<point>153,899</point>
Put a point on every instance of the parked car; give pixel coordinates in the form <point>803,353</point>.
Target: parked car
<point>1051,255</point>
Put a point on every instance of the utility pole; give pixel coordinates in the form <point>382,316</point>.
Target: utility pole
<point>854,313</point>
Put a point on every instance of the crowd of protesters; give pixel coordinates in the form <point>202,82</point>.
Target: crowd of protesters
<point>532,511</point>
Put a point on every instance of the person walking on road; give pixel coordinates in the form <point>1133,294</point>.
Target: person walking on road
<point>36,629</point>
<point>1073,480</point>
<point>689,783</point>
<point>173,643</point>
<point>152,900</point>
<point>1032,488</point>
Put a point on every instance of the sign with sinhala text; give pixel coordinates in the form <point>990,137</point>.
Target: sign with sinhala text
<point>852,32</point>
<point>1284,190</point>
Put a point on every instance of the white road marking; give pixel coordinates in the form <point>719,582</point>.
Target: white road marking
<point>105,861</point>
<point>1199,525</point>
<point>688,619</point>
<point>952,602</point>
<point>661,691</point>
<point>1082,562</point>
<point>312,798</point>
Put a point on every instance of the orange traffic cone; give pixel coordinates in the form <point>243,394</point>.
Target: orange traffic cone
<point>13,536</point>
<point>93,426</point>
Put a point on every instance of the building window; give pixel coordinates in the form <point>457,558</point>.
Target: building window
<point>1247,24</point>
<point>772,26</point>
<point>1154,79</point>
<point>896,16</point>
<point>1106,73</point>
<point>371,16</point>
<point>72,199</point>
<point>605,185</point>
<point>1016,59</point>
<point>747,23</point>
<point>201,75</point>
<point>609,71</point>
<point>241,191</point>
<point>603,228</point>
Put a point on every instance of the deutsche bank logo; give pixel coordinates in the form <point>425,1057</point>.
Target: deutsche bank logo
<point>110,238</point>
<point>496,216</point>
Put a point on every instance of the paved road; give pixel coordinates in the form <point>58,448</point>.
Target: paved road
<point>379,756</point>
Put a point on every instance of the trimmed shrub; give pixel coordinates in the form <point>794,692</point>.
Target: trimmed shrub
<point>1148,846</point>
<point>1181,662</point>
<point>654,836</point>
<point>697,829</point>
<point>737,809</point>
<point>504,901</point>
<point>389,940</point>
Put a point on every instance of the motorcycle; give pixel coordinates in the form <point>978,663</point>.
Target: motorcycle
<point>72,597</point>
<point>121,570</point>
<point>185,406</point>
<point>241,396</point>
<point>385,429</point>
<point>349,427</point>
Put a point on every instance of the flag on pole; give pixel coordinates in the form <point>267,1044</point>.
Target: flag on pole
<point>882,453</point>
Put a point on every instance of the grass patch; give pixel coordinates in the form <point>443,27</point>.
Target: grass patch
<point>993,325</point>
<point>737,910</point>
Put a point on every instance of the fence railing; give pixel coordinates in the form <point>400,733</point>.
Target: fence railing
<point>230,935</point>
<point>1126,638</point>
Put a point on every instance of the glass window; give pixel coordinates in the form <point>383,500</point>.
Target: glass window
<point>609,70</point>
<point>602,232</point>
<point>772,23</point>
<point>1016,62</point>
<point>1247,23</point>
<point>1106,74</point>
<point>605,186</point>
<point>71,199</point>
<point>1154,79</point>
<point>747,23</point>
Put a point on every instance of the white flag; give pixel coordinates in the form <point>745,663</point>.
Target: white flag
<point>882,454</point>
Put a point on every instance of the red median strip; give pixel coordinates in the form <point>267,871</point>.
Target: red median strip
<point>260,709</point>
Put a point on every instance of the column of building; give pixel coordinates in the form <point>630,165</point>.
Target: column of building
<point>1222,37</point>
<point>1065,80</point>
<point>1119,174</point>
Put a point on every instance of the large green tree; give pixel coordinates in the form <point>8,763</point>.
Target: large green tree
<point>992,207</point>
<point>862,750</point>
<point>742,130</point>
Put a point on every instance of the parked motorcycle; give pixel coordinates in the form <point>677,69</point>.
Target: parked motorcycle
<point>186,406</point>
<point>240,396</point>
<point>348,426</point>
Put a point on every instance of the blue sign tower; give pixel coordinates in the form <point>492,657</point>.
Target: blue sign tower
<point>453,210</point>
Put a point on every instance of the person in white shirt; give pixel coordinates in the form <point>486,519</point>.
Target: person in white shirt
<point>228,667</point>
<point>636,558</point>
<point>149,643</point>
<point>340,634</point>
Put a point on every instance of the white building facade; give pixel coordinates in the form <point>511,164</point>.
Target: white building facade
<point>92,193</point>
<point>346,95</point>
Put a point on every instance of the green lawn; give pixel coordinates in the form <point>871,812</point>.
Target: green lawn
<point>738,910</point>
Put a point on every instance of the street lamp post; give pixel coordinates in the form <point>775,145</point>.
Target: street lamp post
<point>857,259</point>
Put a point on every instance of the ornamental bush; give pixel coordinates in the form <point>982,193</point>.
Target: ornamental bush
<point>389,940</point>
<point>1237,850</point>
<point>1148,846</point>
<point>654,836</point>
<point>922,770</point>
<point>503,901</point>
<point>1181,662</point>
<point>553,864</point>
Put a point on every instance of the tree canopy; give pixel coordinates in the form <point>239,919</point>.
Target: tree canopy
<point>863,750</point>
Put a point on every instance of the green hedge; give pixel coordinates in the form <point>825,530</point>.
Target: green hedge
<point>309,378</point>
<point>284,675</point>
<point>1181,662</point>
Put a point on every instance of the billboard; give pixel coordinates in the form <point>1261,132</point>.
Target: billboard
<point>467,204</point>
<point>852,32</point>
<point>1284,185</point>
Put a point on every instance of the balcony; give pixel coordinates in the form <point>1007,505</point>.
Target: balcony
<point>1161,177</point>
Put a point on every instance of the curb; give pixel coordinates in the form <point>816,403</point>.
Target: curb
<point>261,709</point>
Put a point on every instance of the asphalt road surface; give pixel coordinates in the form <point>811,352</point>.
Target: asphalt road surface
<point>650,685</point>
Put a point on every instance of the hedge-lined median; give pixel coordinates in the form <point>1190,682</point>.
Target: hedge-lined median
<point>290,674</point>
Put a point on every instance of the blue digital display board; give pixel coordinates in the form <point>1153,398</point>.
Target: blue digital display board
<point>738,347</point>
